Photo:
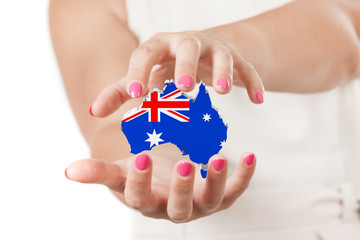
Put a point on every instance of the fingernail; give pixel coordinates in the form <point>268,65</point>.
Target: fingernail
<point>260,96</point>
<point>184,169</point>
<point>185,81</point>
<point>223,82</point>
<point>135,89</point>
<point>249,160</point>
<point>142,161</point>
<point>218,164</point>
<point>66,174</point>
<point>90,109</point>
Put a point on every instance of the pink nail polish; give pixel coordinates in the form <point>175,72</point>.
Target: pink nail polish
<point>218,164</point>
<point>90,109</point>
<point>249,160</point>
<point>186,81</point>
<point>184,169</point>
<point>142,161</point>
<point>223,82</point>
<point>259,96</point>
<point>135,89</point>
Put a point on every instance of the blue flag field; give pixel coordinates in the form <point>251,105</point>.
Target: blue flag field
<point>170,116</point>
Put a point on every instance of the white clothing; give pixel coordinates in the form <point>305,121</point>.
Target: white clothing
<point>307,146</point>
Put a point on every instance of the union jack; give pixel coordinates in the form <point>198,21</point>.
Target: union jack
<point>168,104</point>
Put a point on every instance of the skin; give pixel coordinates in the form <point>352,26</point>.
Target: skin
<point>302,47</point>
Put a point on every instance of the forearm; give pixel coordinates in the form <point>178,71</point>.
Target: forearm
<point>93,46</point>
<point>304,46</point>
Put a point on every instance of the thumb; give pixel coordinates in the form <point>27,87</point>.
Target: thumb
<point>98,171</point>
<point>109,99</point>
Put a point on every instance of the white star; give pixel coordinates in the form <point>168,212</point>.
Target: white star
<point>206,117</point>
<point>154,138</point>
<point>222,143</point>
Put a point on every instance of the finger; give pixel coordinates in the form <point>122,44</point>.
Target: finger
<point>97,171</point>
<point>159,75</point>
<point>240,179</point>
<point>214,187</point>
<point>141,63</point>
<point>138,183</point>
<point>187,58</point>
<point>222,64</point>
<point>180,202</point>
<point>109,99</point>
<point>250,79</point>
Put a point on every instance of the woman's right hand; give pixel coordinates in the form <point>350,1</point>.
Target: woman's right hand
<point>185,57</point>
<point>166,189</point>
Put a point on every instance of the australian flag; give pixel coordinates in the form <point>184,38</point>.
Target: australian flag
<point>193,125</point>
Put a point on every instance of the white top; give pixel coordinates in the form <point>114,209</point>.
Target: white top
<point>307,146</point>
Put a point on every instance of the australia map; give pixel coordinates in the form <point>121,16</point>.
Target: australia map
<point>170,116</point>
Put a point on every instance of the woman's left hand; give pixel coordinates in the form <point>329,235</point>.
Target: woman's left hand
<point>186,57</point>
<point>158,186</point>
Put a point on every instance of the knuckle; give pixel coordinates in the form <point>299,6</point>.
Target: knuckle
<point>186,65</point>
<point>228,55</point>
<point>211,205</point>
<point>241,186</point>
<point>135,203</point>
<point>224,72</point>
<point>143,50</point>
<point>216,45</point>
<point>179,216</point>
<point>158,35</point>
<point>146,214</point>
<point>155,40</point>
<point>191,41</point>
<point>191,33</point>
<point>220,49</point>
<point>248,68</point>
<point>136,71</point>
<point>135,184</point>
<point>183,189</point>
<point>134,193</point>
<point>226,205</point>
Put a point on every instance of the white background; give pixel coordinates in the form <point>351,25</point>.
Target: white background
<point>39,138</point>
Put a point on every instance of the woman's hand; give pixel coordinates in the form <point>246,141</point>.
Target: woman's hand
<point>185,57</point>
<point>92,53</point>
<point>149,187</point>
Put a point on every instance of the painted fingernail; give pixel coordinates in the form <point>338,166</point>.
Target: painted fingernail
<point>249,160</point>
<point>184,169</point>
<point>90,109</point>
<point>218,164</point>
<point>66,174</point>
<point>135,89</point>
<point>186,81</point>
<point>142,161</point>
<point>223,82</point>
<point>260,96</point>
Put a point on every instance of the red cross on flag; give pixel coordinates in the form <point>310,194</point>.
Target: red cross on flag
<point>168,104</point>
